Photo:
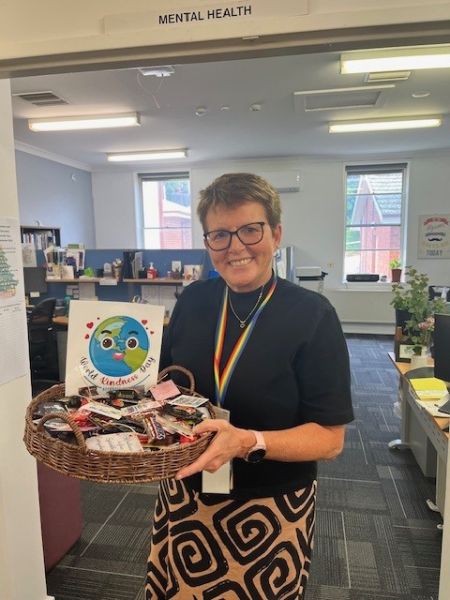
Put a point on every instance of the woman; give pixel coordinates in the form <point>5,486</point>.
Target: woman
<point>273,355</point>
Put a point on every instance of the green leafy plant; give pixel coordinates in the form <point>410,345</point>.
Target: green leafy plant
<point>395,263</point>
<point>412,296</point>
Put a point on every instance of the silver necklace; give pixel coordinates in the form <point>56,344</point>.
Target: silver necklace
<point>243,322</point>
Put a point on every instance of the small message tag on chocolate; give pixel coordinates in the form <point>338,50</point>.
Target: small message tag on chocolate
<point>115,442</point>
<point>102,409</point>
<point>164,390</point>
<point>184,400</point>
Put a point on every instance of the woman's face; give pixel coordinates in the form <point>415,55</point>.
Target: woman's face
<point>244,268</point>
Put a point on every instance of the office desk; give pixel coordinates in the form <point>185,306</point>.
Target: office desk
<point>416,421</point>
<point>61,321</point>
<point>423,434</point>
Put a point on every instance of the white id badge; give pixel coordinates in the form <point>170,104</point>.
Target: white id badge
<point>219,482</point>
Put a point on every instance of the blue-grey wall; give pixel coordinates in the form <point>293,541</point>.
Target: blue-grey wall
<point>56,195</point>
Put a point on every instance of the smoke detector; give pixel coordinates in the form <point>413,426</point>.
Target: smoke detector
<point>200,111</point>
<point>165,71</point>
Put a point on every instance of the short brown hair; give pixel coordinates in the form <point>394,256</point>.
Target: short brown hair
<point>232,189</point>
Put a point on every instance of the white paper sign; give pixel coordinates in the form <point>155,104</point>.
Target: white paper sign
<point>434,236</point>
<point>113,345</point>
<point>15,359</point>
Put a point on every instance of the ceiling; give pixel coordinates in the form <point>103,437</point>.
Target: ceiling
<point>281,127</point>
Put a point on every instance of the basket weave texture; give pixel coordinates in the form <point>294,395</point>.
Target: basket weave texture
<point>76,460</point>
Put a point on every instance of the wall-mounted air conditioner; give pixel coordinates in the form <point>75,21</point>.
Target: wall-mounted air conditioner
<point>285,182</point>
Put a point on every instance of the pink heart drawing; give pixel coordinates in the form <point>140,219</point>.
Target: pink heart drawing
<point>90,324</point>
<point>86,337</point>
<point>144,321</point>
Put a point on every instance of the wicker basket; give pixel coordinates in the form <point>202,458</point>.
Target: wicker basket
<point>76,460</point>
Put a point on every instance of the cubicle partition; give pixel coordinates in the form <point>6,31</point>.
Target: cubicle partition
<point>128,286</point>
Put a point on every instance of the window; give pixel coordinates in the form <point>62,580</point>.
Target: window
<point>166,209</point>
<point>373,218</point>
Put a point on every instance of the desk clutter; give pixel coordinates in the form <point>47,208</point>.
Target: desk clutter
<point>118,436</point>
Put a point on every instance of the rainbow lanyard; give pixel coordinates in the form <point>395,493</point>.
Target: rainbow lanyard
<point>222,381</point>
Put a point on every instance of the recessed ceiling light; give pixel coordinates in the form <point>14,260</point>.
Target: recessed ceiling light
<point>146,155</point>
<point>84,122</point>
<point>256,107</point>
<point>384,124</point>
<point>200,111</point>
<point>396,59</point>
<point>225,107</point>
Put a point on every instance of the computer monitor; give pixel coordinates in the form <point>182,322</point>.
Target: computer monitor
<point>34,279</point>
<point>442,347</point>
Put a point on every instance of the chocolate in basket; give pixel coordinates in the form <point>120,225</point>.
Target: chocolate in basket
<point>156,422</point>
<point>142,441</point>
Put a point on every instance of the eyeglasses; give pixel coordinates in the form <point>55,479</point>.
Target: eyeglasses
<point>249,234</point>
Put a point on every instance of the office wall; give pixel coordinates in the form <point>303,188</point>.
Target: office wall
<point>429,194</point>
<point>56,195</point>
<point>21,561</point>
<point>313,221</point>
<point>116,210</point>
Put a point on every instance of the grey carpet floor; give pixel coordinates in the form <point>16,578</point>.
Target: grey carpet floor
<point>375,538</point>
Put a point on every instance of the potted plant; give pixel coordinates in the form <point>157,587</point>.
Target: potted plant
<point>414,311</point>
<point>396,270</point>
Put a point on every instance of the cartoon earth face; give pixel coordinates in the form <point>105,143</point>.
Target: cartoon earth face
<point>118,346</point>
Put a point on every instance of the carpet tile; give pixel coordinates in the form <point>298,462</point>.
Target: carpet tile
<point>375,539</point>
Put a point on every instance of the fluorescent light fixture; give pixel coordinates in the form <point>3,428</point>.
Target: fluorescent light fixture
<point>396,59</point>
<point>147,155</point>
<point>164,71</point>
<point>384,124</point>
<point>84,122</point>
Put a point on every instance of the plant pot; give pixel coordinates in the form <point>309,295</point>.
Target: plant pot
<point>396,275</point>
<point>401,316</point>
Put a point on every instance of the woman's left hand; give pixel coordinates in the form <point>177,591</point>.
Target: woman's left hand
<point>228,443</point>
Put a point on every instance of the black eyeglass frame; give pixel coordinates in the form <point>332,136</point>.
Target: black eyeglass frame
<point>236,233</point>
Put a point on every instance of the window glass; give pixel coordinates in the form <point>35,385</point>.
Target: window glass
<point>373,218</point>
<point>166,207</point>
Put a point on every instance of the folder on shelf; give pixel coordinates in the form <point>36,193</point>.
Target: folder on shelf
<point>429,388</point>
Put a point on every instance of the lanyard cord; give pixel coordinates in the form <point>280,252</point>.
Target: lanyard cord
<point>222,380</point>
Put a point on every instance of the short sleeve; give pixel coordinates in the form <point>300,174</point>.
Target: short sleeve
<point>323,373</point>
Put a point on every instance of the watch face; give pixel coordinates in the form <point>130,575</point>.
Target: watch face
<point>256,455</point>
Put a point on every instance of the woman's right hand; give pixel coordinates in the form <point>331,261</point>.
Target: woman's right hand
<point>228,443</point>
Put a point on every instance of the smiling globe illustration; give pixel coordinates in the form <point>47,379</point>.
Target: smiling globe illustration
<point>118,346</point>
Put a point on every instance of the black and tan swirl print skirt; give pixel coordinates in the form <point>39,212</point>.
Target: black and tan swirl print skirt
<point>230,550</point>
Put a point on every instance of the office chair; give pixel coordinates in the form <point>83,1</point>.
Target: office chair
<point>439,291</point>
<point>42,341</point>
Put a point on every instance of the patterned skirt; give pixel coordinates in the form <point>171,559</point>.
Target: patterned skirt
<point>205,548</point>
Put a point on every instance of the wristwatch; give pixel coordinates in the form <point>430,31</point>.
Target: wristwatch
<point>258,451</point>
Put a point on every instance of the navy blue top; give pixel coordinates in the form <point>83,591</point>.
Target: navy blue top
<point>294,370</point>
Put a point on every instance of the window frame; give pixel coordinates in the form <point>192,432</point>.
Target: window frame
<point>157,177</point>
<point>374,168</point>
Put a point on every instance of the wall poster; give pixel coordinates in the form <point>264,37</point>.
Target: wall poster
<point>434,236</point>
<point>13,325</point>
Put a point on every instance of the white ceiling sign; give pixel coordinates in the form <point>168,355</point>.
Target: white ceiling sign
<point>230,12</point>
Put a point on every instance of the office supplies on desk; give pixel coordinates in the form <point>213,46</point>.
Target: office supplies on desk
<point>433,407</point>
<point>445,408</point>
<point>429,388</point>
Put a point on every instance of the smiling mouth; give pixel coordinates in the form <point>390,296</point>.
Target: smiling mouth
<point>240,263</point>
<point>118,355</point>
